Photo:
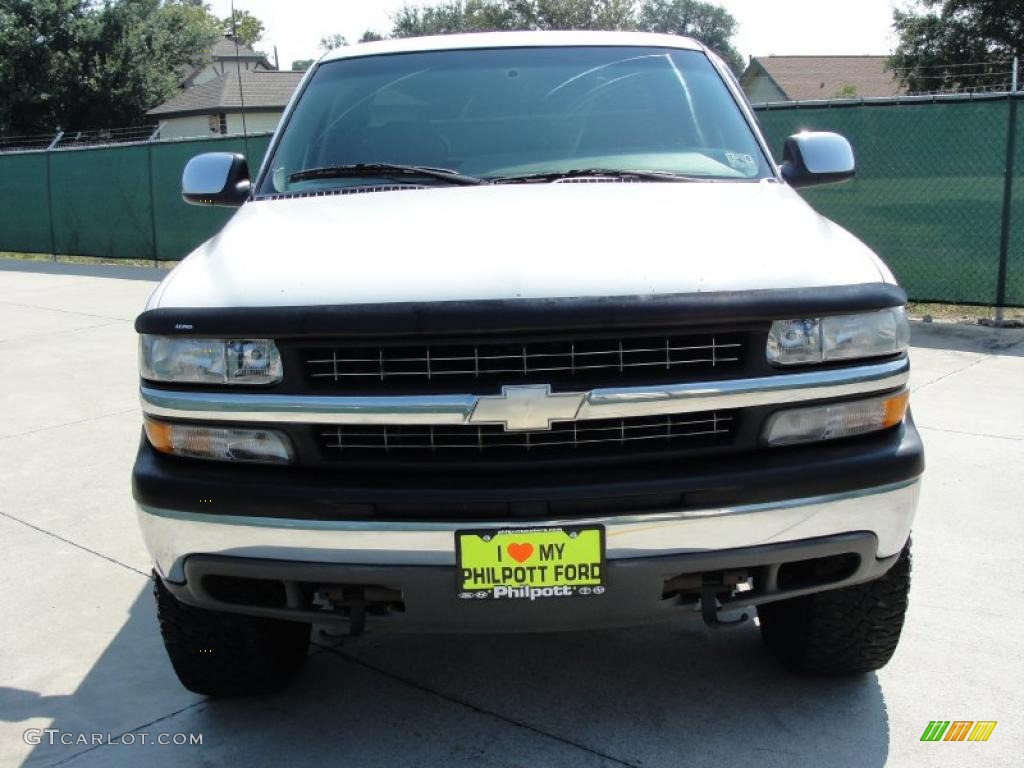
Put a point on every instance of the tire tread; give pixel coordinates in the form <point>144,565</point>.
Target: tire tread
<point>225,654</point>
<point>845,631</point>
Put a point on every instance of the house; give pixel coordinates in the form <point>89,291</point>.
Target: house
<point>801,78</point>
<point>215,106</point>
<point>225,56</point>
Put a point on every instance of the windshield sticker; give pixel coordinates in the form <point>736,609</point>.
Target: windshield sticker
<point>743,163</point>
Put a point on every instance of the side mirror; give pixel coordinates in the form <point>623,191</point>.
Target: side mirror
<point>817,158</point>
<point>216,178</point>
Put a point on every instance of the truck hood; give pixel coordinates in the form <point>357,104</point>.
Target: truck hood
<point>518,241</point>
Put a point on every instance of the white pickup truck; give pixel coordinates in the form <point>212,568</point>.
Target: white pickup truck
<point>524,332</point>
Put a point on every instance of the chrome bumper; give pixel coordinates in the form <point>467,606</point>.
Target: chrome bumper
<point>885,511</point>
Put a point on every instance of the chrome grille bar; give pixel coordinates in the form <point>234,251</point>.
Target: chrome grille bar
<point>441,359</point>
<point>476,361</point>
<point>669,431</point>
<point>574,369</point>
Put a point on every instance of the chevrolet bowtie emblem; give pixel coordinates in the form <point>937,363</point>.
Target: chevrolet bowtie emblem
<point>524,408</point>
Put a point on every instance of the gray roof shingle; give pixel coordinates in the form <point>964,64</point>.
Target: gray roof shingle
<point>262,89</point>
<point>224,48</point>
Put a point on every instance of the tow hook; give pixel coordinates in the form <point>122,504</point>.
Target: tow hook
<point>711,586</point>
<point>347,600</point>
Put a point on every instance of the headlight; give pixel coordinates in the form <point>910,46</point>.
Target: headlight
<point>836,420</point>
<point>259,446</point>
<point>209,361</point>
<point>844,337</point>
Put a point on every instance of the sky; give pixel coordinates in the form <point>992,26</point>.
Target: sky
<point>781,27</point>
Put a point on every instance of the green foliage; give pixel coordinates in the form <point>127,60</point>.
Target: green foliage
<point>951,45</point>
<point>709,23</point>
<point>39,48</point>
<point>330,42</point>
<point>301,65</point>
<point>847,91</point>
<point>455,16</point>
<point>246,27</point>
<point>580,14</point>
<point>74,64</point>
<point>704,21</point>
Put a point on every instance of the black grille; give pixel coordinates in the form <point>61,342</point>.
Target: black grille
<point>469,367</point>
<point>567,438</point>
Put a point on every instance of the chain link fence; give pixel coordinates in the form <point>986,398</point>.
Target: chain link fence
<point>79,139</point>
<point>937,193</point>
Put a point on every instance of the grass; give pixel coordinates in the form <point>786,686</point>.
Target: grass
<point>70,259</point>
<point>963,313</point>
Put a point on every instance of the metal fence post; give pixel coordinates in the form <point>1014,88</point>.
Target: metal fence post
<point>152,206</point>
<point>49,196</point>
<point>1004,237</point>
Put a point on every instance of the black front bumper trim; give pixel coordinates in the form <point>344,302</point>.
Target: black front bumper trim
<point>183,485</point>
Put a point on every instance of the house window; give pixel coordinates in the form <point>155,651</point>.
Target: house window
<point>219,124</point>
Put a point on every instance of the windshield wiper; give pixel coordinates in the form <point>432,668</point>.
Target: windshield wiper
<point>385,170</point>
<point>586,173</point>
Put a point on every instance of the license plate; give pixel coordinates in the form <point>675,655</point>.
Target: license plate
<point>530,564</point>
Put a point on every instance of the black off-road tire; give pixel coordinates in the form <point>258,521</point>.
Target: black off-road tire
<point>228,654</point>
<point>843,631</point>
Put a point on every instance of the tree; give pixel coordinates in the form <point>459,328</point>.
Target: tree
<point>80,65</point>
<point>704,21</point>
<point>39,49</point>
<point>247,28</point>
<point>455,16</point>
<point>953,45</point>
<point>330,42</point>
<point>301,65</point>
<point>503,15</point>
<point>135,59</point>
<point>710,24</point>
<point>581,14</point>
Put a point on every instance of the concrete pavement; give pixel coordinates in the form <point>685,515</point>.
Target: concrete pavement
<point>80,651</point>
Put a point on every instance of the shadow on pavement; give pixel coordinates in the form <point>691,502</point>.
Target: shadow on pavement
<point>120,272</point>
<point>17,705</point>
<point>968,338</point>
<point>656,696</point>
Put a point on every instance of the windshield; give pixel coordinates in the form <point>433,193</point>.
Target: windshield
<point>515,112</point>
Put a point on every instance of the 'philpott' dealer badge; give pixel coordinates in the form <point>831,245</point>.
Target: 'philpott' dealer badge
<point>530,564</point>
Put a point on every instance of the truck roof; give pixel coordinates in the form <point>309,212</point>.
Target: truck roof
<point>513,40</point>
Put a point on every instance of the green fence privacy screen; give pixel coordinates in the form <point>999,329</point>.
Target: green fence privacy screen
<point>929,197</point>
<point>929,191</point>
<point>118,202</point>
